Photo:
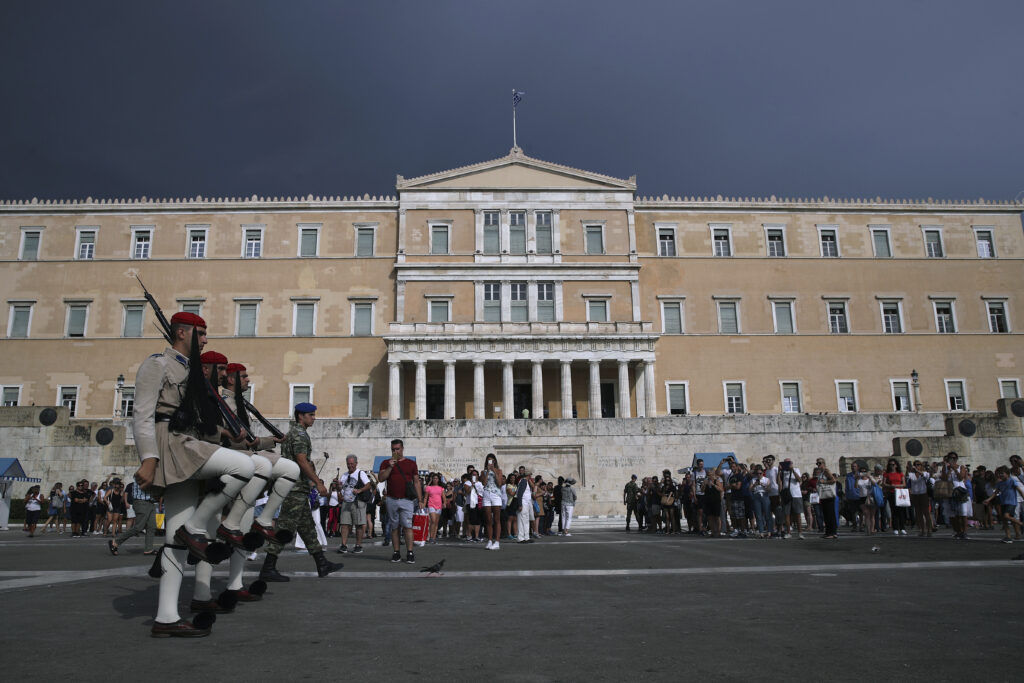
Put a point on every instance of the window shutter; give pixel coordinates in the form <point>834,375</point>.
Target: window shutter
<point>360,401</point>
<point>364,320</point>
<point>308,243</point>
<point>365,242</point>
<point>76,321</point>
<point>673,319</point>
<point>247,320</point>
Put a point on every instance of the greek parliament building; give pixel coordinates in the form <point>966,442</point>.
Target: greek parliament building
<point>543,312</point>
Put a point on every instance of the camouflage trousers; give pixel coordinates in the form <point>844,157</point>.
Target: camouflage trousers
<point>297,517</point>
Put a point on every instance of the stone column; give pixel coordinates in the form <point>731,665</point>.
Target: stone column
<point>449,390</point>
<point>595,389</point>
<point>394,390</point>
<point>649,389</point>
<point>566,389</point>
<point>478,390</point>
<point>421,390</point>
<point>638,389</point>
<point>624,389</point>
<point>508,405</point>
<point>537,385</point>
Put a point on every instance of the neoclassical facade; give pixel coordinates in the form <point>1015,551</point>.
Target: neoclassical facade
<point>518,288</point>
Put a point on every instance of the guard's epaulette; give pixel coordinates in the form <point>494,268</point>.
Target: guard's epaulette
<point>156,355</point>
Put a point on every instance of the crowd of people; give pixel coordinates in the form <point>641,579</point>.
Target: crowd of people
<point>474,508</point>
<point>99,509</point>
<point>776,500</point>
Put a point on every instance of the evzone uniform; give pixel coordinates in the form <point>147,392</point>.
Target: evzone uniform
<point>270,470</point>
<point>182,461</point>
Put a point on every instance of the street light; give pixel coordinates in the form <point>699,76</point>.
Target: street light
<point>120,387</point>
<point>917,395</point>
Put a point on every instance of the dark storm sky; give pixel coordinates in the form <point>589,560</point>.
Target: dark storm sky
<point>846,99</point>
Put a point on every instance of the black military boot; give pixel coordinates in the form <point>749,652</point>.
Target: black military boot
<point>269,571</point>
<point>323,566</point>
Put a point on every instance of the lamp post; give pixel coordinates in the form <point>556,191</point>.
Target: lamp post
<point>917,394</point>
<point>120,387</point>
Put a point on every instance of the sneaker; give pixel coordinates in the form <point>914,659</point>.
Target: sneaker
<point>497,546</point>
<point>903,532</point>
<point>385,542</point>
<point>895,532</point>
<point>410,558</point>
<point>567,533</point>
<point>801,537</point>
<point>1006,540</point>
<point>396,556</point>
<point>342,549</point>
<point>490,544</point>
<point>356,550</point>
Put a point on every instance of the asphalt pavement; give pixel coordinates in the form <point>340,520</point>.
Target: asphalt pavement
<point>602,605</point>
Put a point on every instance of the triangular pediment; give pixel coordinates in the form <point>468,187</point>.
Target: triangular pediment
<point>516,171</point>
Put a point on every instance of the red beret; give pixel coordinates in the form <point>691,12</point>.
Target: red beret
<point>235,367</point>
<point>213,358</point>
<point>184,318</point>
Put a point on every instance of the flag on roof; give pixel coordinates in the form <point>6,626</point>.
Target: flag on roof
<point>517,97</point>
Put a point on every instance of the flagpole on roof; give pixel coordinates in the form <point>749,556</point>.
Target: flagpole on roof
<point>517,95</point>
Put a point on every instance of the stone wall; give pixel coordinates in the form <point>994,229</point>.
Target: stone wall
<point>600,454</point>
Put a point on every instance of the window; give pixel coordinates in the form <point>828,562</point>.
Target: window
<point>142,239</point>
<point>880,242</point>
<point>666,241</point>
<point>597,310</point>
<point>20,320</point>
<point>309,241</point>
<point>133,316</point>
<point>837,320</point>
<point>365,238</point>
<point>546,302</point>
<point>492,232</point>
<point>790,397</point>
<point>933,243</point>
<point>734,397</point>
<point>77,314</point>
<point>253,246</point>
<point>359,400</point>
<point>986,246</point>
<point>543,232</point>
<point>728,317</point>
<point>672,317</point>
<point>197,242</point>
<point>846,391</point>
<point>68,397</point>
<point>997,320</point>
<point>301,393</point>
<point>721,241</point>
<point>492,302</point>
<point>518,305</point>
<point>944,321</point>
<point>776,238</point>
<point>782,312</point>
<point>891,317</point>
<point>517,232</point>
<point>191,306</point>
<point>594,235</point>
<point>30,244</point>
<point>828,239</point>
<point>955,396</point>
<point>11,396</point>
<point>127,401</point>
<point>304,323</point>
<point>439,311</point>
<point>248,312</point>
<point>1008,388</point>
<point>438,239</point>
<point>85,249</point>
<point>901,396</point>
<point>362,319</point>
<point>677,398</point>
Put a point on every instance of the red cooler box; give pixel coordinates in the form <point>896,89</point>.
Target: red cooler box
<point>420,528</point>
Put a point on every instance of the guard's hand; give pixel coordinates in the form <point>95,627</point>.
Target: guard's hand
<point>278,439</point>
<point>144,475</point>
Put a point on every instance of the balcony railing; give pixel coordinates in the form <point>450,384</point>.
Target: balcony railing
<point>521,329</point>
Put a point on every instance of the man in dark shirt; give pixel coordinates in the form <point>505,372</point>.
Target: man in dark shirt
<point>80,496</point>
<point>399,473</point>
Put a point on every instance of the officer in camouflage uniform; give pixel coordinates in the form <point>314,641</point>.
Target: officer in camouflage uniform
<point>295,513</point>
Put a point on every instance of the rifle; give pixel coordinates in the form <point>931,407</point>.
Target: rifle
<point>243,408</point>
<point>229,417</point>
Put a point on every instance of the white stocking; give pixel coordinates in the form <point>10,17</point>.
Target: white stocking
<point>234,469</point>
<point>250,493</point>
<point>179,505</point>
<point>238,556</point>
<point>285,473</point>
<point>204,570</point>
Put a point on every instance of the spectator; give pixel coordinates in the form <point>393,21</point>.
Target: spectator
<point>790,497</point>
<point>568,505</point>
<point>668,495</point>
<point>493,480</point>
<point>892,479</point>
<point>771,470</point>
<point>403,489</point>
<point>700,480</point>
<point>1007,490</point>
<point>713,493</point>
<point>34,501</point>
<point>558,502</point>
<point>523,505</point>
<point>630,494</point>
<point>739,489</point>
<point>538,506</point>
<point>474,491</point>
<point>80,497</point>
<point>654,505</point>
<point>56,511</point>
<point>957,508</point>
<point>919,482</point>
<point>333,509</point>
<point>851,498</point>
<point>434,503</point>
<point>762,502</point>
<point>865,492</point>
<point>116,508</point>
<point>549,509</point>
<point>145,520</point>
<point>99,509</point>
<point>356,487</point>
<point>510,523</point>
<point>826,488</point>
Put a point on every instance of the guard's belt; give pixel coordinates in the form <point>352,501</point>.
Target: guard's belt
<point>162,417</point>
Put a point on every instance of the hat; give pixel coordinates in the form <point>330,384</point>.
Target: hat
<point>570,481</point>
<point>235,367</point>
<point>634,476</point>
<point>213,358</point>
<point>305,408</point>
<point>185,318</point>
